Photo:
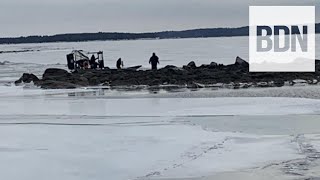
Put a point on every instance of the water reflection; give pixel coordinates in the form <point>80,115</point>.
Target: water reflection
<point>129,91</point>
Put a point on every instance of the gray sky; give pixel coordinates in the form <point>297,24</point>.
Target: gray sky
<point>41,17</point>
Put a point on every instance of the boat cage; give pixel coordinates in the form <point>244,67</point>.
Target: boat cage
<point>79,59</point>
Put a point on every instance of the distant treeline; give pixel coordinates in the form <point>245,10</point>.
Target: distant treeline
<point>195,33</point>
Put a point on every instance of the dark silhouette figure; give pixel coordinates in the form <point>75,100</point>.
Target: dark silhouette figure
<point>154,61</point>
<point>119,64</point>
<point>93,63</point>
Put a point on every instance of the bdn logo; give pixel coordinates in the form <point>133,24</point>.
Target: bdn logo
<point>271,36</point>
<point>282,39</point>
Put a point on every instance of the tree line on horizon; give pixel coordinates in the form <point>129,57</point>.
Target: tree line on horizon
<point>103,36</point>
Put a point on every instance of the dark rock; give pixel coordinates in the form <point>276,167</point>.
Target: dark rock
<point>207,66</point>
<point>82,81</point>
<point>27,78</point>
<point>190,65</point>
<point>240,61</point>
<point>170,70</point>
<point>49,84</point>
<point>54,73</point>
<point>170,67</point>
<point>95,81</point>
<point>213,64</point>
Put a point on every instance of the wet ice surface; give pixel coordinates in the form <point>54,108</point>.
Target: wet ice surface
<point>87,134</point>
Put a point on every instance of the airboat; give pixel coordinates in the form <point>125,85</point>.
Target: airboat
<point>79,59</point>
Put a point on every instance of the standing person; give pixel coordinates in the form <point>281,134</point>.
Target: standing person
<point>93,63</point>
<point>154,61</point>
<point>119,64</point>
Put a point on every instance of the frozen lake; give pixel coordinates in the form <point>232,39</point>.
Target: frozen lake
<point>137,52</point>
<point>85,134</point>
<point>171,51</point>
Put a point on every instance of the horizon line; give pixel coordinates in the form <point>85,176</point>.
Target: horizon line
<point>123,32</point>
<point>166,34</point>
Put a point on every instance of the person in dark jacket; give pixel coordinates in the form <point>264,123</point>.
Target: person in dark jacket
<point>93,62</point>
<point>154,61</point>
<point>119,64</point>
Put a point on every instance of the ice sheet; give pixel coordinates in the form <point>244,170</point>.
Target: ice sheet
<point>119,152</point>
<point>53,135</point>
<point>50,104</point>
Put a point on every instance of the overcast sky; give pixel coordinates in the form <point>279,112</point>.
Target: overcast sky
<point>42,17</point>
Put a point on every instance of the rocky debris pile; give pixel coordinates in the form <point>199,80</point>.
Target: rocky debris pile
<point>27,78</point>
<point>236,75</point>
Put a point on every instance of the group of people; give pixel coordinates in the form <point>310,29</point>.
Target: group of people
<point>92,64</point>
<point>154,61</point>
